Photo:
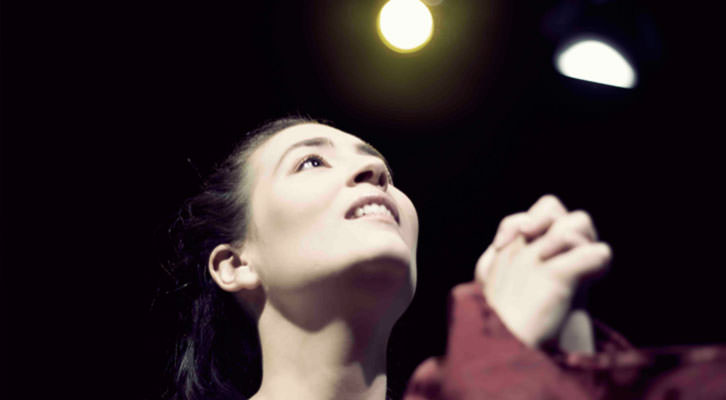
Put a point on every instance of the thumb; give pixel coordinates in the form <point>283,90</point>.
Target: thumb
<point>484,264</point>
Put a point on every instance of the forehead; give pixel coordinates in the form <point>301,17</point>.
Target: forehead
<point>266,157</point>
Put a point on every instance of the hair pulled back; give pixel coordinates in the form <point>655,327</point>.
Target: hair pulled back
<point>217,355</point>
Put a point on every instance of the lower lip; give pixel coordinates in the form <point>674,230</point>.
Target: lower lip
<point>379,217</point>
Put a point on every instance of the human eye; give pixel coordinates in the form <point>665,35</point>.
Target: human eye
<point>312,160</point>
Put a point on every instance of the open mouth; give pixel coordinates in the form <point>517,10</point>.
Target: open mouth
<point>373,205</point>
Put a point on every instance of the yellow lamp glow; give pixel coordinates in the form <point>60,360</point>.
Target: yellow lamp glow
<point>405,26</point>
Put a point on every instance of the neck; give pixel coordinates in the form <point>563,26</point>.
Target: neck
<point>343,358</point>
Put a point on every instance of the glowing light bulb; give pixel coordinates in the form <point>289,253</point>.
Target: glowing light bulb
<point>405,26</point>
<point>596,61</point>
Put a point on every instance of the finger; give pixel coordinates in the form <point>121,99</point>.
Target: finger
<point>502,259</point>
<point>543,214</point>
<point>484,264</point>
<point>581,261</point>
<point>509,228</point>
<point>553,243</point>
<point>581,221</point>
<point>569,231</point>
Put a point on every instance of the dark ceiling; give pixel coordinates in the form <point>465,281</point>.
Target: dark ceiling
<point>112,111</point>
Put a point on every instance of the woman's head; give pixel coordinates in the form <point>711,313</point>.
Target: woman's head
<point>277,225</point>
<point>303,240</point>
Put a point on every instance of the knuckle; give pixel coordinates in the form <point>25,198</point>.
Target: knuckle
<point>483,258</point>
<point>573,238</point>
<point>561,226</point>
<point>558,231</point>
<point>510,221</point>
<point>602,253</point>
<point>545,202</point>
<point>480,261</point>
<point>551,202</point>
<point>606,251</point>
<point>581,218</point>
<point>504,223</point>
<point>548,198</point>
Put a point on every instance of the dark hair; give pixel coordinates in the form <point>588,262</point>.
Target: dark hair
<point>217,355</point>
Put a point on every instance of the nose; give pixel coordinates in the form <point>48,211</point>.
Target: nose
<point>374,172</point>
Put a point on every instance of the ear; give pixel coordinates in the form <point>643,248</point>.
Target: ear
<point>231,269</point>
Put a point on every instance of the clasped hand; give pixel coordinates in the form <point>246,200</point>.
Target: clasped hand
<point>532,269</point>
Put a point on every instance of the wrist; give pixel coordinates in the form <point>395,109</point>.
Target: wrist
<point>577,334</point>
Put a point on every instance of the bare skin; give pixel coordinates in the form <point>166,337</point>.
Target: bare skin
<point>532,270</point>
<point>328,289</point>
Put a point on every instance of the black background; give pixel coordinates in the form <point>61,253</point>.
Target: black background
<point>112,110</point>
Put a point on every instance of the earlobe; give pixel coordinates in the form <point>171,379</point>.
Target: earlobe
<point>231,270</point>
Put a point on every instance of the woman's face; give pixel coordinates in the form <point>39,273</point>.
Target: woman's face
<point>306,184</point>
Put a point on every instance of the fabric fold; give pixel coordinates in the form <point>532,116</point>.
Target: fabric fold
<point>484,360</point>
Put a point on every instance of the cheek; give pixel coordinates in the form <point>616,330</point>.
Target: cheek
<point>292,223</point>
<point>295,208</point>
<point>409,218</point>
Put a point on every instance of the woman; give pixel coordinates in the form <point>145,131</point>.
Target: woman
<point>302,236</point>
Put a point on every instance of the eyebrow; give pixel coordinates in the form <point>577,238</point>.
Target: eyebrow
<point>363,148</point>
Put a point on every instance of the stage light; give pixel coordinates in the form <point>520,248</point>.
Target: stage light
<point>594,60</point>
<point>405,26</point>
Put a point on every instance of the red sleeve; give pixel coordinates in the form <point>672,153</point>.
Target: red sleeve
<point>485,361</point>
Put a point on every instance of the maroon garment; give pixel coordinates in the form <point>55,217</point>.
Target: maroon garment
<point>484,360</point>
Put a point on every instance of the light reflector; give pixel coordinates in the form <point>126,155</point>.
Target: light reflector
<point>595,61</point>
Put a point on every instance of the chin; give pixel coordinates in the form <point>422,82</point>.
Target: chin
<point>390,254</point>
<point>386,272</point>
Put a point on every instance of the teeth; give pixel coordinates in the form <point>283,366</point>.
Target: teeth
<point>372,209</point>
